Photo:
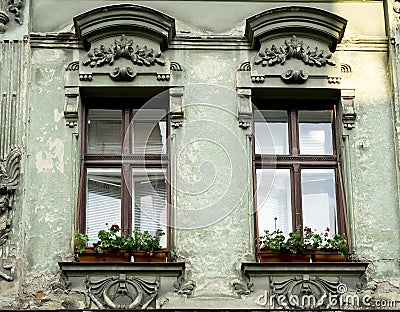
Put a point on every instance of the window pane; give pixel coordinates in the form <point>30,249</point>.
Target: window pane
<point>315,131</point>
<point>149,131</point>
<point>104,131</point>
<point>271,132</point>
<point>274,200</point>
<point>319,199</point>
<point>149,200</point>
<point>103,201</point>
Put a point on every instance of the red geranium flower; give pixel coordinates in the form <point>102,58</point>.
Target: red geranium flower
<point>327,229</point>
<point>115,227</point>
<point>307,229</point>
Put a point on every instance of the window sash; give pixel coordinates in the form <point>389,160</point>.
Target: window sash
<point>128,164</point>
<point>296,163</point>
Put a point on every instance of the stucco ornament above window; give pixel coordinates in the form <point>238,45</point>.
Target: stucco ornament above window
<point>302,40</point>
<point>129,37</point>
<point>124,48</point>
<point>293,48</point>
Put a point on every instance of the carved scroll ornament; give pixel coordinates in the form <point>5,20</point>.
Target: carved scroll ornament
<point>296,289</point>
<point>9,179</point>
<point>121,292</point>
<point>293,48</point>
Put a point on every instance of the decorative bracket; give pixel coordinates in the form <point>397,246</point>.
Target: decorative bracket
<point>349,115</point>
<point>71,106</point>
<point>176,112</point>
<point>244,108</point>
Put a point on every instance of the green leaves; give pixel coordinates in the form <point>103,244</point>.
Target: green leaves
<point>297,243</point>
<point>80,241</point>
<point>114,240</point>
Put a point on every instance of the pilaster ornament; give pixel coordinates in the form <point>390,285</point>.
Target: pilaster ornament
<point>293,48</point>
<point>121,292</point>
<point>15,8</point>
<point>9,179</point>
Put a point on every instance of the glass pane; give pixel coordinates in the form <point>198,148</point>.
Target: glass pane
<point>319,199</point>
<point>149,131</point>
<point>271,132</point>
<point>149,198</point>
<point>103,200</point>
<point>274,200</point>
<point>315,131</point>
<point>104,131</point>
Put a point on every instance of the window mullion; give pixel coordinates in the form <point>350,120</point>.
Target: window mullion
<point>126,202</point>
<point>297,202</point>
<point>293,133</point>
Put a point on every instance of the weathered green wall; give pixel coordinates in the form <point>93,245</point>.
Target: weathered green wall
<point>210,155</point>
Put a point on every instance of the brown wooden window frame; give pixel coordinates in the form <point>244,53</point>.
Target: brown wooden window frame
<point>295,161</point>
<point>126,160</point>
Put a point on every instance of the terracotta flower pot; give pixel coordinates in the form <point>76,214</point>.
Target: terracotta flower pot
<point>326,255</point>
<point>156,256</point>
<point>269,255</point>
<point>89,255</point>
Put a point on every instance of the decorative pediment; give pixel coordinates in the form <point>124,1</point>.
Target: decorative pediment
<point>315,23</point>
<point>295,46</point>
<point>127,19</point>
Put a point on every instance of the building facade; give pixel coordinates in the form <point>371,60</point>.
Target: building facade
<point>214,121</point>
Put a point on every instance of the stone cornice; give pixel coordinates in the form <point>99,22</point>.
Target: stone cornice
<point>125,19</point>
<point>69,40</point>
<point>316,23</point>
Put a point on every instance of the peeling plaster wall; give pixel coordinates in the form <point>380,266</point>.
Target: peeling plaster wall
<point>48,217</point>
<point>376,215</point>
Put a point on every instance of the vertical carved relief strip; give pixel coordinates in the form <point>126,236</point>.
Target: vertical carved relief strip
<point>12,86</point>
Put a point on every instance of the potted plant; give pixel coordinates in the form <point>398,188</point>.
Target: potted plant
<point>319,247</point>
<point>274,247</point>
<point>324,247</point>
<point>115,246</point>
<point>109,248</point>
<point>147,247</point>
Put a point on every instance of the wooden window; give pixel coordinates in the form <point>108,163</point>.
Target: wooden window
<point>124,166</point>
<point>296,164</point>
